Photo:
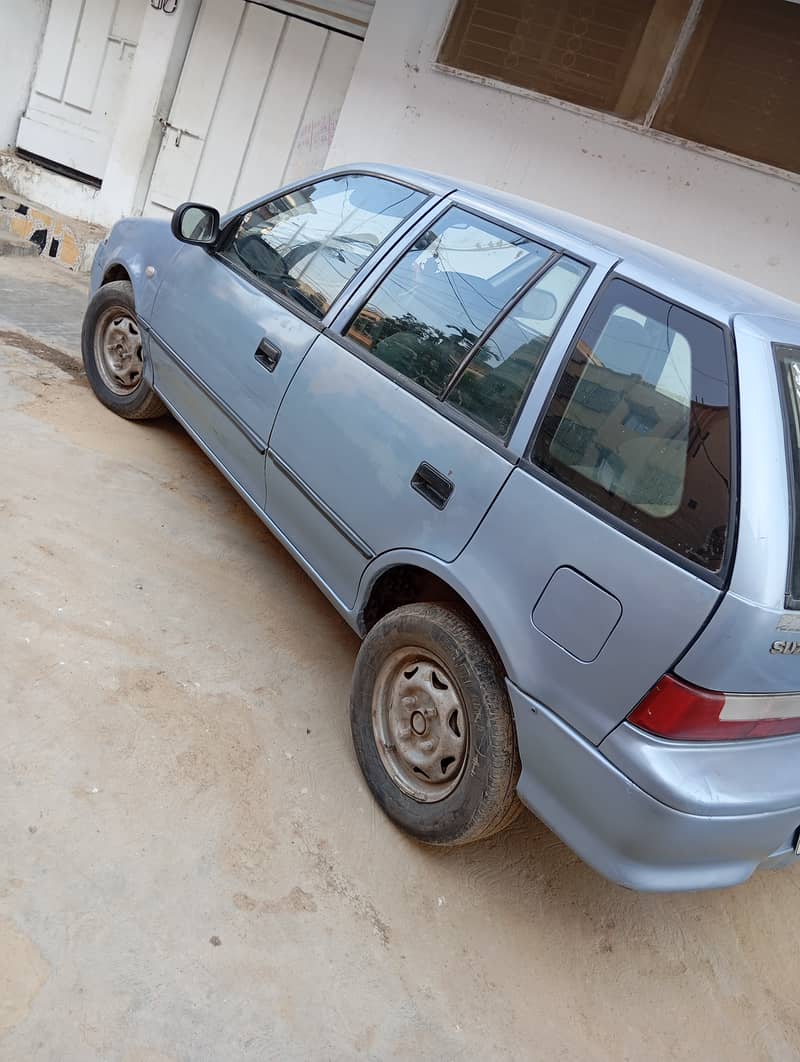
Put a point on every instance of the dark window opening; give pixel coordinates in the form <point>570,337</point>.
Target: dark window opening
<point>726,74</point>
<point>789,369</point>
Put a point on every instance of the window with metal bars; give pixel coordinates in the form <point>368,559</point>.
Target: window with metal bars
<point>724,73</point>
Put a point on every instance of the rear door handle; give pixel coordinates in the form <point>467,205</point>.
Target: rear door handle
<point>432,485</point>
<point>268,355</point>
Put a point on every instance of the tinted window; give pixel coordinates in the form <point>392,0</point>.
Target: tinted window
<point>640,422</point>
<point>308,244</point>
<point>789,368</point>
<point>500,372</point>
<point>430,310</point>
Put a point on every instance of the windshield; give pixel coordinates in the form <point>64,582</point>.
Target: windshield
<point>789,368</point>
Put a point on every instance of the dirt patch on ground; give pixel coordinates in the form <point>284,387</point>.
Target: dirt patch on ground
<point>66,362</point>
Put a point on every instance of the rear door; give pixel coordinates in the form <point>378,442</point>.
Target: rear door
<point>394,431</point>
<point>608,548</point>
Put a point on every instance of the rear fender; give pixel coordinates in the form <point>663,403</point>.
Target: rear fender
<point>427,563</point>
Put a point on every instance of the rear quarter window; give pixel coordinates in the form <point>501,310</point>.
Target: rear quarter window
<point>639,423</point>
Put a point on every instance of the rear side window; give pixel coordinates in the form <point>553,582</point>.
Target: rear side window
<point>430,310</point>
<point>499,373</point>
<point>640,422</point>
<point>789,368</point>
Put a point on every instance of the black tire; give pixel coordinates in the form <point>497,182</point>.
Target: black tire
<point>484,799</point>
<point>140,403</point>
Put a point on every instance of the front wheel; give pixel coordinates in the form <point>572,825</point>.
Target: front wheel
<point>432,726</point>
<point>112,354</point>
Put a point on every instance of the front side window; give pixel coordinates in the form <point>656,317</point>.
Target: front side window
<point>428,313</point>
<point>495,380</point>
<point>640,422</point>
<point>307,245</point>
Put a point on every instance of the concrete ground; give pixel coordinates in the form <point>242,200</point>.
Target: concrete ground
<point>190,865</point>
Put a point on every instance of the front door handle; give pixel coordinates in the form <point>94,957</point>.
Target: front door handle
<point>432,485</point>
<point>268,355</point>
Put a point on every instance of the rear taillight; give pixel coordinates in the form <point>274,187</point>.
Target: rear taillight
<point>674,709</point>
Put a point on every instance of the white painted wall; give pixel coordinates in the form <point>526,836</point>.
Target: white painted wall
<point>21,31</point>
<point>400,110</point>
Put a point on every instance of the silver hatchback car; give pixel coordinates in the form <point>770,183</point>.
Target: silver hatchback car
<point>549,473</point>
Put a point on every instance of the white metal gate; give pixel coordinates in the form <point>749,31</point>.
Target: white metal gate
<point>83,69</point>
<point>258,99</point>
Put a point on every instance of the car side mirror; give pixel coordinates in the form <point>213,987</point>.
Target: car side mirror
<point>195,223</point>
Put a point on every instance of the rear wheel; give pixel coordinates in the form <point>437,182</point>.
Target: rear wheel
<point>432,726</point>
<point>113,356</point>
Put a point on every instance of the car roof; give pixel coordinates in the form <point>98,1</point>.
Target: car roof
<point>683,280</point>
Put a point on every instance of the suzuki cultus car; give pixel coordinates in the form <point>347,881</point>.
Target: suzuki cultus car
<point>549,473</point>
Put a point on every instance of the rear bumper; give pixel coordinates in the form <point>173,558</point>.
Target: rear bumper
<point>626,834</point>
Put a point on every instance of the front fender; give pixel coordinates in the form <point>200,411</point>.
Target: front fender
<point>134,244</point>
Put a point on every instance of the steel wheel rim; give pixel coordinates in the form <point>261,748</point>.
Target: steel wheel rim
<point>420,725</point>
<point>118,350</point>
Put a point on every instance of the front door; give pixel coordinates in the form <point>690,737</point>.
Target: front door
<point>209,325</point>
<point>392,433</point>
<point>83,70</point>
<point>230,328</point>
